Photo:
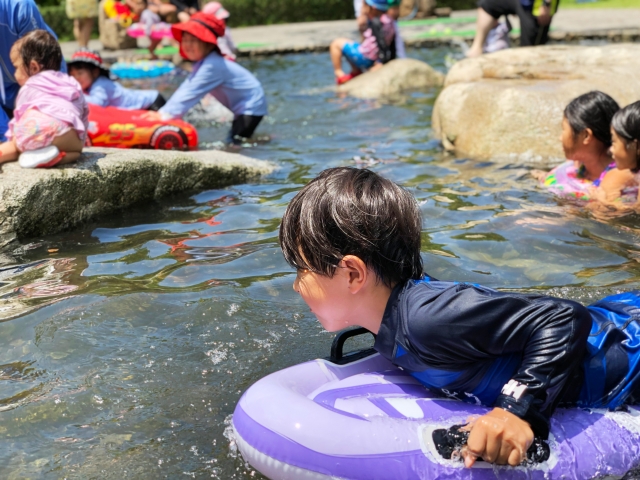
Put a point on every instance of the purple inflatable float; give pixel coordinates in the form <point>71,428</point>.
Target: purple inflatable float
<point>369,420</point>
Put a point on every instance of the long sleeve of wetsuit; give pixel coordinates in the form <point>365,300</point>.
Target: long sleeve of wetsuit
<point>206,76</point>
<point>454,327</point>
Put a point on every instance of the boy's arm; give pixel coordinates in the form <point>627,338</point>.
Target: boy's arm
<point>201,82</point>
<point>98,95</point>
<point>467,324</point>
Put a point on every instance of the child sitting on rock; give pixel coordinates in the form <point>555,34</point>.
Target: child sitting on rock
<point>619,188</point>
<point>87,68</point>
<point>49,124</point>
<point>231,84</point>
<point>377,48</point>
<point>354,239</point>
<point>393,12</point>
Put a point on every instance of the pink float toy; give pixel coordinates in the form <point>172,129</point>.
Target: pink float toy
<point>157,31</point>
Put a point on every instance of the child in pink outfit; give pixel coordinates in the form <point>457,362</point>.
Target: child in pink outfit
<point>225,43</point>
<point>51,115</point>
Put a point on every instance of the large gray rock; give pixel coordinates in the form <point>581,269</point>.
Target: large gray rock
<point>46,201</point>
<point>511,102</point>
<point>392,79</point>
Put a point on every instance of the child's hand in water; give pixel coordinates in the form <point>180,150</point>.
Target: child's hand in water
<point>498,437</point>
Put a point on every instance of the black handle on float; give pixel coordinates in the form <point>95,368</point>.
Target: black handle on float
<point>337,355</point>
<point>453,439</point>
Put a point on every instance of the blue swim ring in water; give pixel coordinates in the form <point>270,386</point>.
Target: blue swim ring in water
<point>142,68</point>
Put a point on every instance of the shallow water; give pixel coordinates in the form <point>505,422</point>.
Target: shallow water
<point>126,344</point>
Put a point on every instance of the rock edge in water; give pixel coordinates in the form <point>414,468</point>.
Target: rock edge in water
<point>47,201</point>
<point>510,103</point>
<point>392,79</point>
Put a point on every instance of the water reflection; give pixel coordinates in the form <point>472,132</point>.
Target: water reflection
<point>125,349</point>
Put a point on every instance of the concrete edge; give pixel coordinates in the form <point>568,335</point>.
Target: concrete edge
<point>616,35</point>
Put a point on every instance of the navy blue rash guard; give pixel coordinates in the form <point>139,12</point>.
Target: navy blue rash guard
<point>467,342</point>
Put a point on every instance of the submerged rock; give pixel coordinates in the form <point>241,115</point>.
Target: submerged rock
<point>511,102</point>
<point>392,79</point>
<point>46,201</point>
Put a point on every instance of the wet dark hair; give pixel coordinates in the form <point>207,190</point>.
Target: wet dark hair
<point>626,123</point>
<point>350,211</point>
<point>42,47</point>
<point>593,110</point>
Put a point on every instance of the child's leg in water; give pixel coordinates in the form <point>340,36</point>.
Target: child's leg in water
<point>69,143</point>
<point>335,50</point>
<point>8,151</point>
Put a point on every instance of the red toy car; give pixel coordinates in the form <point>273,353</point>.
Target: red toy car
<point>113,127</point>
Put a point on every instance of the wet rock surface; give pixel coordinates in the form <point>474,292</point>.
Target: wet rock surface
<point>46,201</point>
<point>511,102</point>
<point>392,79</point>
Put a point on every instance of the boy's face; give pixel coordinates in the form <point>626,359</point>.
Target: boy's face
<point>194,48</point>
<point>325,296</point>
<point>84,76</point>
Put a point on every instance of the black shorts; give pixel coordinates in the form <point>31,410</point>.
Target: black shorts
<point>243,126</point>
<point>157,104</point>
<point>530,32</point>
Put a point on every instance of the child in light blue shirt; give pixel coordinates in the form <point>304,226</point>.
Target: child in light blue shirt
<point>231,84</point>
<point>87,68</point>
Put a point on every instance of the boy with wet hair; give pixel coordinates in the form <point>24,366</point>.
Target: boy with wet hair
<point>354,239</point>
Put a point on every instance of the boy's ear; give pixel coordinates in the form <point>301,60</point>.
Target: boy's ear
<point>588,136</point>
<point>356,270</point>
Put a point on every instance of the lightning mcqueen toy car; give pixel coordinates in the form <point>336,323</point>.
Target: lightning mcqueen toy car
<point>113,127</point>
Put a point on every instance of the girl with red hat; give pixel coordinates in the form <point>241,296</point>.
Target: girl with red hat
<point>231,84</point>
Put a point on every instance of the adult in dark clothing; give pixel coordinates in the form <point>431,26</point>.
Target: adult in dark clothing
<point>185,8</point>
<point>534,15</point>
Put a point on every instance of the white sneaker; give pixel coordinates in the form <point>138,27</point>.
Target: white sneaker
<point>41,158</point>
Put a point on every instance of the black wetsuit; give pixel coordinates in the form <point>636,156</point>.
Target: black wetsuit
<point>468,341</point>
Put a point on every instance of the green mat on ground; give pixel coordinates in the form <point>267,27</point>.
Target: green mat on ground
<point>436,21</point>
<point>168,50</point>
<point>251,45</point>
<point>447,32</point>
<point>600,4</point>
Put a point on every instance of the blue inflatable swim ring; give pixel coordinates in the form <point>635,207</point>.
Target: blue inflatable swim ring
<point>142,68</point>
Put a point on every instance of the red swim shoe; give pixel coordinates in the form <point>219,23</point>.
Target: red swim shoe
<point>346,77</point>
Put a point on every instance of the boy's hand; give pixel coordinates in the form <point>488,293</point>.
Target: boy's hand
<point>498,437</point>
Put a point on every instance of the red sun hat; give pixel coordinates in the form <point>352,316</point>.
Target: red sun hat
<point>203,26</point>
<point>91,57</point>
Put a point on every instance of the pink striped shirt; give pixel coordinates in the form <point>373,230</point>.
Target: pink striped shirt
<point>369,46</point>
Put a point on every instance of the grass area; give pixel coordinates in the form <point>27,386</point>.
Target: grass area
<point>168,50</point>
<point>438,21</point>
<point>600,4</point>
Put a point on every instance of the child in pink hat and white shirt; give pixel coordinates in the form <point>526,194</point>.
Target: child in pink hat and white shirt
<point>225,43</point>
<point>50,120</point>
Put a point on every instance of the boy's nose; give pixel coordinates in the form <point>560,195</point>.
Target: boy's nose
<point>295,285</point>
